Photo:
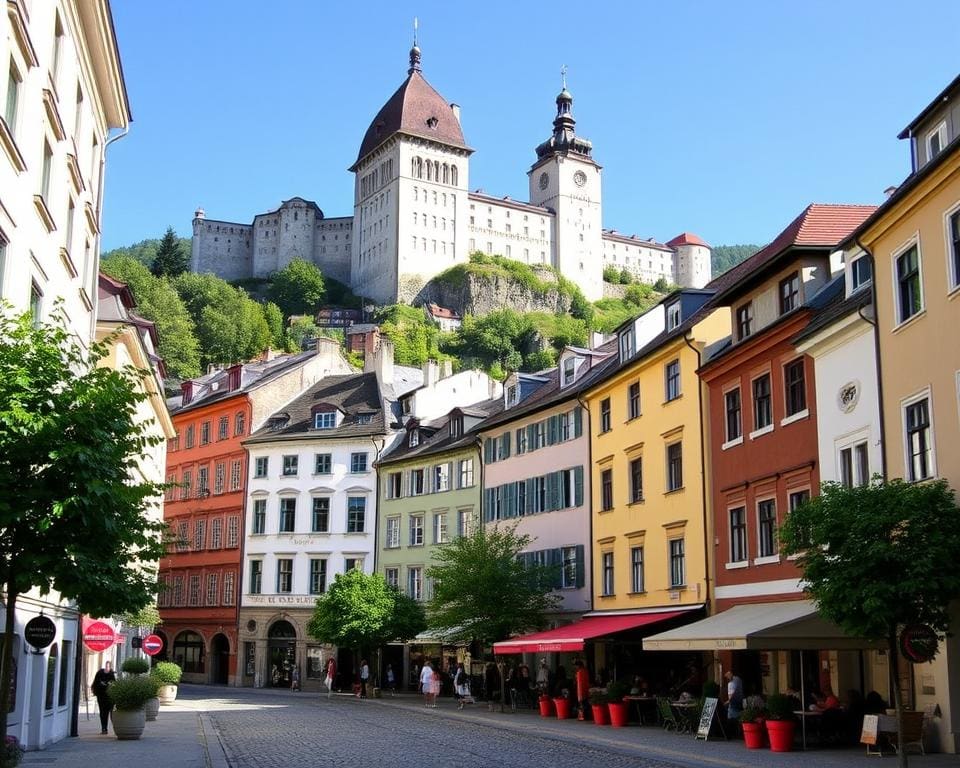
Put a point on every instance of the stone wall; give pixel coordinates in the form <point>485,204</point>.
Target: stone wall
<point>478,294</point>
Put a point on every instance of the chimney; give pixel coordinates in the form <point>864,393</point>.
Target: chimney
<point>455,108</point>
<point>596,339</point>
<point>380,362</point>
<point>186,392</point>
<point>431,373</point>
<point>446,369</point>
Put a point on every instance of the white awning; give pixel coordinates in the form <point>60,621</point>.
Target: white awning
<point>785,626</point>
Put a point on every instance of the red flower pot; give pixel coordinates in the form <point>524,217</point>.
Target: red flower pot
<point>563,708</point>
<point>781,735</point>
<point>754,735</point>
<point>546,706</point>
<point>601,715</point>
<point>619,713</point>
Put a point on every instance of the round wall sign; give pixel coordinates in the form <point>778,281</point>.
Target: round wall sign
<point>848,396</point>
<point>918,643</point>
<point>152,645</point>
<point>39,632</point>
<point>98,636</point>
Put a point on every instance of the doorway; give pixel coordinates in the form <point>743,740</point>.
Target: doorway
<point>220,660</point>
<point>281,654</point>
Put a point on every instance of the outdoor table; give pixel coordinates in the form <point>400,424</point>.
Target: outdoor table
<point>687,712</point>
<point>813,716</point>
<point>640,701</point>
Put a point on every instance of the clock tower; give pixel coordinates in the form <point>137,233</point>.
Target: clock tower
<point>566,179</point>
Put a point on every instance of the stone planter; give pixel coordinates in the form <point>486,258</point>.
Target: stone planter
<point>151,708</point>
<point>167,694</point>
<point>128,724</point>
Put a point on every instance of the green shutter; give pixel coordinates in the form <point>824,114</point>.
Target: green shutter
<point>552,431</point>
<point>577,421</point>
<point>556,567</point>
<point>488,453</point>
<point>506,445</point>
<point>577,486</point>
<point>581,565</point>
<point>531,437</point>
<point>531,496</point>
<point>553,491</point>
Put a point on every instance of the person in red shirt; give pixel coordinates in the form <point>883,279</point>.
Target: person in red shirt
<point>581,680</point>
<point>331,676</point>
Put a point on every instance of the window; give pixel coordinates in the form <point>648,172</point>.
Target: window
<point>936,140</point>
<point>738,535</point>
<point>228,582</point>
<point>606,490</point>
<point>291,464</point>
<point>416,482</point>
<point>673,315</point>
<point>919,440</point>
<point>674,467</point>
<point>569,370</point>
<point>195,590</point>
<point>762,404</point>
<point>440,528</point>
<point>239,425</point>
<point>213,582</point>
<point>413,439</point>
<point>796,389</point>
<point>767,528</point>
<point>854,465</point>
<point>861,274</point>
<point>199,534</point>
<point>605,415</point>
<point>216,533</point>
<point>415,582</point>
<point>320,515</point>
<point>52,660</point>
<point>636,569</point>
<point>953,237</point>
<point>205,433</point>
<point>358,462</point>
<point>441,478</point>
<point>393,533</point>
<point>203,481</point>
<point>288,515</point>
<point>188,439</point>
<point>318,575</point>
<point>325,420</point>
<point>322,464</point>
<point>732,402</point>
<point>57,48</point>
<point>627,344</point>
<point>416,530</point>
<point>13,99</point>
<point>633,400</point>
<point>223,427</point>
<point>284,575</point>
<point>909,294</point>
<point>394,485</point>
<point>672,378</point>
<point>189,647</point>
<point>64,673</point>
<point>259,515</point>
<point>233,531</point>
<point>392,577</point>
<point>570,565</point>
<point>456,427</point>
<point>789,293</point>
<point>466,473</point>
<point>260,466</point>
<point>606,575</point>
<point>356,512</point>
<point>636,480</point>
<point>678,568</point>
<point>45,173</point>
<point>219,477</point>
<point>352,564</point>
<point>177,600</point>
<point>744,320</point>
<point>523,444</point>
<point>36,304</point>
<point>236,470</point>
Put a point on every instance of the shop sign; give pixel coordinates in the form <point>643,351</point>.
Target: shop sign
<point>918,643</point>
<point>39,632</point>
<point>152,645</point>
<point>98,636</point>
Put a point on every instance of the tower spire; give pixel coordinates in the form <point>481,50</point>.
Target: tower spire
<point>563,76</point>
<point>415,51</point>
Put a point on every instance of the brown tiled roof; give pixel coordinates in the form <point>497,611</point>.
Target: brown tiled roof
<point>408,111</point>
<point>687,238</point>
<point>438,311</point>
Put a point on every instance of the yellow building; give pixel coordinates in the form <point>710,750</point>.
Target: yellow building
<point>650,522</point>
<point>914,239</point>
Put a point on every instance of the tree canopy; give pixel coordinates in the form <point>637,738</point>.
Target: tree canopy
<point>298,288</point>
<point>171,259</point>
<point>74,509</point>
<point>483,591</point>
<point>361,610</point>
<point>724,257</point>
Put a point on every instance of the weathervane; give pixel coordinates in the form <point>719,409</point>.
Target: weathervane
<point>563,76</point>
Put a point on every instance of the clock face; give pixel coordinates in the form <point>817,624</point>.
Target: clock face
<point>579,178</point>
<point>544,180</point>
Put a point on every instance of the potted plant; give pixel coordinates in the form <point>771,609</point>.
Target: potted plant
<point>619,709</point>
<point>751,720</point>
<point>129,695</point>
<point>135,665</point>
<point>167,674</point>
<point>562,705</point>
<point>12,752</point>
<point>599,707</point>
<point>780,722</point>
<point>546,706</point>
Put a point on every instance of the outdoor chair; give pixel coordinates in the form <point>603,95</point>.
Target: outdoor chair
<point>668,719</point>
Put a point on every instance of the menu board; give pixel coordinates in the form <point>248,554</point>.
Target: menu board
<point>706,718</point>
<point>868,735</point>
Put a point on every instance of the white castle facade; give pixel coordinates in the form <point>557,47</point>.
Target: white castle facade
<point>413,215</point>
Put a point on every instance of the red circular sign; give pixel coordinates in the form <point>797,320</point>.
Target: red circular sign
<point>98,636</point>
<point>152,645</point>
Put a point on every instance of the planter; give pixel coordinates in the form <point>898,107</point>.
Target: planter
<point>601,715</point>
<point>128,724</point>
<point>151,708</point>
<point>167,694</point>
<point>546,706</point>
<point>619,713</point>
<point>563,708</point>
<point>754,735</point>
<point>780,733</point>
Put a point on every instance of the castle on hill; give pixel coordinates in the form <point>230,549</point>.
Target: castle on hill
<point>413,216</point>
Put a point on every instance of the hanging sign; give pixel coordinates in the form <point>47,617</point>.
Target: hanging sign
<point>39,632</point>
<point>152,645</point>
<point>98,636</point>
<point>918,643</point>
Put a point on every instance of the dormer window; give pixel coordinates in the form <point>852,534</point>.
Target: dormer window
<point>673,315</point>
<point>790,293</point>
<point>569,370</point>
<point>456,426</point>
<point>413,438</point>
<point>325,420</point>
<point>513,395</point>
<point>365,418</point>
<point>744,321</point>
<point>936,140</point>
<point>861,273</point>
<point>277,422</point>
<point>627,344</point>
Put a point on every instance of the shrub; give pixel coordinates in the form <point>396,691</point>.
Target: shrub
<point>611,275</point>
<point>12,752</point>
<point>135,665</point>
<point>617,690</point>
<point>131,693</point>
<point>751,715</point>
<point>780,707</point>
<point>599,697</point>
<point>167,673</point>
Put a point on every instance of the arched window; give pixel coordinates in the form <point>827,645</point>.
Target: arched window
<point>419,168</point>
<point>429,171</point>
<point>189,651</point>
<point>446,173</point>
<point>436,170</point>
<point>413,167</point>
<point>453,175</point>
<point>51,676</point>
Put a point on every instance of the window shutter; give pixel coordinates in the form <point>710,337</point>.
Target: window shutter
<point>553,488</point>
<point>577,421</point>
<point>577,486</point>
<point>556,566</point>
<point>506,445</point>
<point>488,454</point>
<point>488,505</point>
<point>509,500</point>
<point>531,505</point>
<point>581,565</point>
<point>552,431</point>
<point>531,437</point>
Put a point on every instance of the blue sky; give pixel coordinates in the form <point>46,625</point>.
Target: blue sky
<point>721,118</point>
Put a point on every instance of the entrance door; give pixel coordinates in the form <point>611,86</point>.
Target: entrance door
<point>281,654</point>
<point>220,656</point>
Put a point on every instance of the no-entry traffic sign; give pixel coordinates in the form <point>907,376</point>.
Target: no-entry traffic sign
<point>152,645</point>
<point>98,636</point>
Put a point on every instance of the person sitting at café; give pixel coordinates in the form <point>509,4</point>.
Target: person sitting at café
<point>833,724</point>
<point>825,701</point>
<point>639,687</point>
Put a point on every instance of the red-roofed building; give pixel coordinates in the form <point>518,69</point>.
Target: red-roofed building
<point>447,319</point>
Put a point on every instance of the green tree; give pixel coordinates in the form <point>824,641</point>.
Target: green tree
<point>361,611</point>
<point>662,285</point>
<point>626,276</point>
<point>483,591</point>
<point>415,339</point>
<point>74,510</point>
<point>880,557</point>
<point>724,257</point>
<point>171,259</point>
<point>158,302</point>
<point>611,274</point>
<point>274,318</point>
<point>298,288</point>
<point>145,251</point>
<point>301,331</point>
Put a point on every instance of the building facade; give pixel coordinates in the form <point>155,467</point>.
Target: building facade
<point>414,216</point>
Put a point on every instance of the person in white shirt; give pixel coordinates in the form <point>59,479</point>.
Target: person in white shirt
<point>426,679</point>
<point>364,678</point>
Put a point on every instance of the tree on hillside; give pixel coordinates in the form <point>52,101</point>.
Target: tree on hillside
<point>415,339</point>
<point>171,259</point>
<point>483,591</point>
<point>159,302</point>
<point>626,276</point>
<point>73,509</point>
<point>879,558</point>
<point>300,332</point>
<point>145,251</point>
<point>274,318</point>
<point>611,274</point>
<point>298,288</point>
<point>724,257</point>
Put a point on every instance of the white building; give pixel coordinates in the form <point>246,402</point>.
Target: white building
<point>62,92</point>
<point>413,214</point>
<point>442,391</point>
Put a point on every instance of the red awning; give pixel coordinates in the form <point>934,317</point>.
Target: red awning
<point>573,636</point>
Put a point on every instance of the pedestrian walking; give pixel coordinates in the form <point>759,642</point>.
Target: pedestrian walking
<point>426,682</point>
<point>331,676</point>
<point>295,679</point>
<point>436,682</point>
<point>391,680</point>
<point>364,678</point>
<point>461,686</point>
<point>101,682</point>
